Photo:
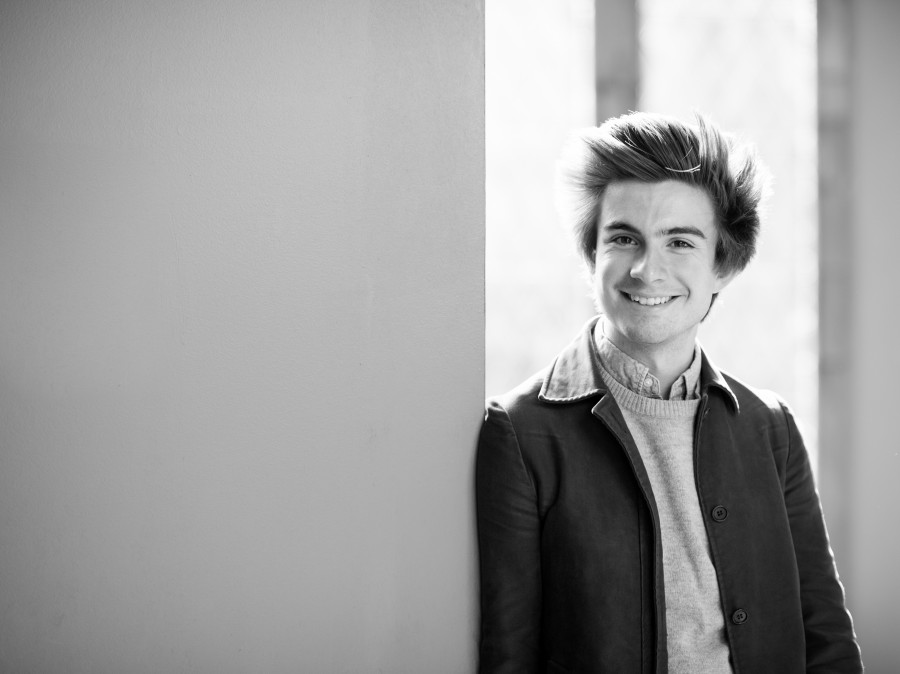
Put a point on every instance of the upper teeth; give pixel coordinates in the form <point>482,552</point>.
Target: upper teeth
<point>649,300</point>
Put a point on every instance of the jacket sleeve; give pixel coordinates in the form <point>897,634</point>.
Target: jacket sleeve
<point>509,550</point>
<point>831,644</point>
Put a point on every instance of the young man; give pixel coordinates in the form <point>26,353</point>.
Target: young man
<point>639,510</point>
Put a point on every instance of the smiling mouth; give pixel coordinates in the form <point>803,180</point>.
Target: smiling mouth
<point>649,301</point>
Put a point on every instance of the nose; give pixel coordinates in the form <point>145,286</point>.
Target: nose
<point>648,265</point>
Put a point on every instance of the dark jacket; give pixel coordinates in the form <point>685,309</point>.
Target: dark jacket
<point>569,540</point>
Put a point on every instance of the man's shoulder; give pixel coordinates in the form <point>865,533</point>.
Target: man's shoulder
<point>525,395</point>
<point>754,400</point>
<point>528,405</point>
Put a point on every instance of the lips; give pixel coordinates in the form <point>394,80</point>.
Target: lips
<point>649,301</point>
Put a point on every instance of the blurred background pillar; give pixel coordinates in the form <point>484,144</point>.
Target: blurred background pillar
<point>616,57</point>
<point>859,272</point>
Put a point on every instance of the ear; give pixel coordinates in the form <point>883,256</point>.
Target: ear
<point>590,263</point>
<point>723,280</point>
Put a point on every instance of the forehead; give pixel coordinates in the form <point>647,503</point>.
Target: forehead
<point>652,205</point>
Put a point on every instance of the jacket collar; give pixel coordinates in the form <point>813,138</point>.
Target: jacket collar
<point>575,374</point>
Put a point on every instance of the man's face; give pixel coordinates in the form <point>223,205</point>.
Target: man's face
<point>653,276</point>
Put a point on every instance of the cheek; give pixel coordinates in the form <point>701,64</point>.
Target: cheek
<point>605,289</point>
<point>600,278</point>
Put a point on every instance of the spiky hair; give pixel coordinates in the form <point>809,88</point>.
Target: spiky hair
<point>653,148</point>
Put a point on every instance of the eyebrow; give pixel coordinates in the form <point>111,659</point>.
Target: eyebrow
<point>617,226</point>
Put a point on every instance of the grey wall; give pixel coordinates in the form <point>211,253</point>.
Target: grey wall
<point>241,335</point>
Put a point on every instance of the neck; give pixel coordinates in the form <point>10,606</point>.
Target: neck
<point>667,360</point>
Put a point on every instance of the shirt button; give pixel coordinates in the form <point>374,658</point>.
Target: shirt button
<point>648,382</point>
<point>739,617</point>
<point>719,513</point>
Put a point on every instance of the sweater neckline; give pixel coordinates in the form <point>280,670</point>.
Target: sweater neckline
<point>652,407</point>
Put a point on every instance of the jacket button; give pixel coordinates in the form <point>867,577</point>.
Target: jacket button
<point>719,513</point>
<point>739,617</point>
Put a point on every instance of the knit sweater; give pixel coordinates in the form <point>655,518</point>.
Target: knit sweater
<point>663,432</point>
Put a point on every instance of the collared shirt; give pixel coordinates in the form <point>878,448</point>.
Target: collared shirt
<point>637,377</point>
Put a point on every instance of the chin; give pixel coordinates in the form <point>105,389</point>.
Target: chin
<point>650,335</point>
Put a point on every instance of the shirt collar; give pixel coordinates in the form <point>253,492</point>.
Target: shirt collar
<point>575,374</point>
<point>637,377</point>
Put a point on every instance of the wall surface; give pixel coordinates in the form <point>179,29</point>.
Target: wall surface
<point>874,582</point>
<point>241,347</point>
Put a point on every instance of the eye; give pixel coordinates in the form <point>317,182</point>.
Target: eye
<point>623,240</point>
<point>681,243</point>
